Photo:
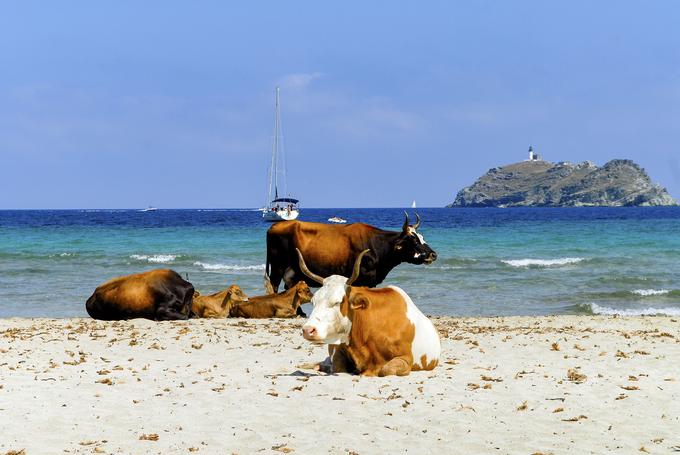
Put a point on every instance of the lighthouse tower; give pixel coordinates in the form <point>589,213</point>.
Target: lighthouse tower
<point>533,156</point>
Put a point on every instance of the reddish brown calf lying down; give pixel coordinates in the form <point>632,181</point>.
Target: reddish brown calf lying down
<point>283,305</point>
<point>219,304</point>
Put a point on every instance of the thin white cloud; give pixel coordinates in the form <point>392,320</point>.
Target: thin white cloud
<point>299,80</point>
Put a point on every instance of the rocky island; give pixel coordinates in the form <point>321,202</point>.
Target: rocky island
<point>538,183</point>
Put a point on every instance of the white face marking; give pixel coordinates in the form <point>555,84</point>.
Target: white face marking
<point>330,325</point>
<point>412,231</point>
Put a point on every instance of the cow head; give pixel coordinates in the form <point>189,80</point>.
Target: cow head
<point>330,321</point>
<point>218,305</point>
<point>303,293</point>
<point>411,246</point>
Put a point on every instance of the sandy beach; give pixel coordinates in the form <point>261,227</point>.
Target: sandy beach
<point>525,385</point>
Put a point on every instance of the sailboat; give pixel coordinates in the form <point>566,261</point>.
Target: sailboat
<point>278,208</point>
<point>413,204</point>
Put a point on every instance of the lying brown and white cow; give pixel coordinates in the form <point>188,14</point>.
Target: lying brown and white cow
<point>376,332</point>
<point>283,305</point>
<point>219,304</point>
<point>159,294</point>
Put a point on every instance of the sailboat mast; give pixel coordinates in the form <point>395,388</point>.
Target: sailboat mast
<point>273,178</point>
<point>277,146</point>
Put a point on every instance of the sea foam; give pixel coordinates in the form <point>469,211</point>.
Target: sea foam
<point>649,311</point>
<point>648,292</point>
<point>228,267</point>
<point>155,258</point>
<point>542,262</point>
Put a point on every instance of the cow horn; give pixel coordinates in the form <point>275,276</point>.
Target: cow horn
<point>405,226</point>
<point>306,271</point>
<point>417,225</point>
<point>357,268</point>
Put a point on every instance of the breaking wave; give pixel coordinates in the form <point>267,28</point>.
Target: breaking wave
<point>594,308</point>
<point>155,258</point>
<point>229,267</point>
<point>542,262</point>
<point>648,292</point>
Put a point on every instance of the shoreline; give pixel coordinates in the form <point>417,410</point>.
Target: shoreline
<point>547,384</point>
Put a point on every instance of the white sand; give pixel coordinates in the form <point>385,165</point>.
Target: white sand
<point>223,386</point>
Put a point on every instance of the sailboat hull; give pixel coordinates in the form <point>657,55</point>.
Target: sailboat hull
<point>280,215</point>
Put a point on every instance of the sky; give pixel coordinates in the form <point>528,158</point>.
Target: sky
<point>125,104</point>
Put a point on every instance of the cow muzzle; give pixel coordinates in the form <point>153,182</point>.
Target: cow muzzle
<point>431,258</point>
<point>310,333</point>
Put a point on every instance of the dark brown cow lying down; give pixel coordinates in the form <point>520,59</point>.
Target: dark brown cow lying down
<point>283,305</point>
<point>157,294</point>
<point>219,304</point>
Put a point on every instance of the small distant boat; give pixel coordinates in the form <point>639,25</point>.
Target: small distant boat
<point>149,209</point>
<point>278,208</point>
<point>413,204</point>
<point>336,219</point>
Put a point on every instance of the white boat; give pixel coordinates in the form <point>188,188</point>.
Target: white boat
<point>149,209</point>
<point>336,219</point>
<point>279,208</point>
<point>413,204</point>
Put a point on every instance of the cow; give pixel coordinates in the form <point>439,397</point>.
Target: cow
<point>374,332</point>
<point>219,304</point>
<point>159,294</point>
<point>283,305</point>
<point>331,249</point>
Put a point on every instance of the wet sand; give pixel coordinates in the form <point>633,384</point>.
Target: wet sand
<point>562,384</point>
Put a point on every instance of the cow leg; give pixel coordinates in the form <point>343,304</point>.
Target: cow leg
<point>268,288</point>
<point>289,278</point>
<point>398,366</point>
<point>340,361</point>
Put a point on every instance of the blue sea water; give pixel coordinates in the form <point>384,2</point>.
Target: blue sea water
<point>491,261</point>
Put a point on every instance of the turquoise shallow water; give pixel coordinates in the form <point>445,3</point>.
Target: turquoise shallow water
<point>491,261</point>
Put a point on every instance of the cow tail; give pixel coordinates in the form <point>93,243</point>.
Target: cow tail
<point>268,288</point>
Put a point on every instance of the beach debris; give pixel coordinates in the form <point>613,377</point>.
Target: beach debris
<point>523,407</point>
<point>621,355</point>
<point>490,379</point>
<point>575,419</point>
<point>149,437</point>
<point>556,410</point>
<point>629,387</point>
<point>554,347</point>
<point>575,376</point>
<point>16,452</point>
<point>282,448</point>
<point>106,381</point>
<point>472,386</point>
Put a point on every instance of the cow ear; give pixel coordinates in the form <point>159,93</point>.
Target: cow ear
<point>358,301</point>
<point>196,293</point>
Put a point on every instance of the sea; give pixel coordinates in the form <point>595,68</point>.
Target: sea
<point>492,262</point>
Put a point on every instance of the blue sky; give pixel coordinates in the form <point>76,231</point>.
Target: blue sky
<point>125,104</point>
